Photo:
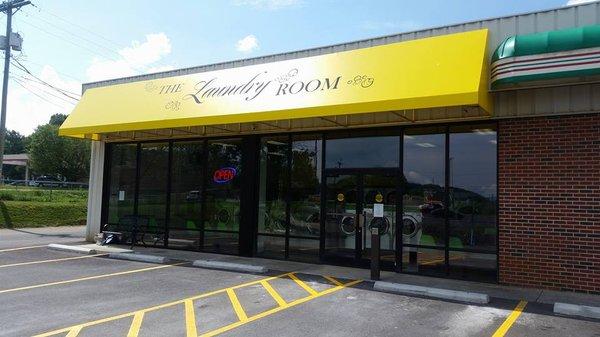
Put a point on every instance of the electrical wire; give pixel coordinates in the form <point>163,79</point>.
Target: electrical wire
<point>117,46</point>
<point>36,94</point>
<point>24,80</point>
<point>66,93</point>
<point>20,58</point>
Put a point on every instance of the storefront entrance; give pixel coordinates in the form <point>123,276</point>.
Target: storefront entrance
<point>350,196</point>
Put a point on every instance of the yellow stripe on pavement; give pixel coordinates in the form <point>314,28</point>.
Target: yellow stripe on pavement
<point>47,261</point>
<point>157,307</point>
<point>503,329</point>
<point>88,278</point>
<point>277,309</point>
<point>21,248</point>
<point>273,293</point>
<point>136,324</point>
<point>190,319</point>
<point>237,306</point>
<point>332,280</point>
<point>303,285</point>
<point>74,331</point>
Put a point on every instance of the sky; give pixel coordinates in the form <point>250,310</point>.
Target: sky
<point>70,42</point>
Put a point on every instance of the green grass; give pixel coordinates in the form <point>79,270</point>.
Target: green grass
<point>36,207</point>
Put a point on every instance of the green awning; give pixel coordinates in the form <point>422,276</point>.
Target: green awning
<point>548,55</point>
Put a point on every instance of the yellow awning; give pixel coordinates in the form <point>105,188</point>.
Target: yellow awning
<point>442,71</point>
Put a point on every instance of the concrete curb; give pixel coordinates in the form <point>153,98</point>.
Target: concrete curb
<point>455,295</point>
<point>230,266</point>
<point>72,249</point>
<point>139,257</point>
<point>577,310</point>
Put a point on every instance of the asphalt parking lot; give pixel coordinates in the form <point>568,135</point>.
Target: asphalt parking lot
<point>51,293</point>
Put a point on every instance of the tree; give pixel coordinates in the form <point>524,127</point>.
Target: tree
<point>14,143</point>
<point>51,154</point>
<point>57,119</point>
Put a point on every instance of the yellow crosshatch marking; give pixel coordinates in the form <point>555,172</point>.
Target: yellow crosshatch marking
<point>136,324</point>
<point>190,314</point>
<point>503,329</point>
<point>190,319</point>
<point>273,293</point>
<point>303,285</point>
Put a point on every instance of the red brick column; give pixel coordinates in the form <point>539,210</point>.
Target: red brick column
<point>549,196</point>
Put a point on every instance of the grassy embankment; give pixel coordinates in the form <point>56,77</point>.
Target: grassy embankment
<point>36,207</point>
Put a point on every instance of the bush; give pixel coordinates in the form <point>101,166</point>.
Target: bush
<point>18,214</point>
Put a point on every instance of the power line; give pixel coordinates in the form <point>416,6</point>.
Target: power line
<point>25,81</point>
<point>74,35</point>
<point>20,66</point>
<point>46,11</point>
<point>43,65</point>
<point>62,38</point>
<point>118,46</point>
<point>36,94</point>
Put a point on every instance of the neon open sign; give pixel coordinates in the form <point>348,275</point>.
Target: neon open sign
<point>224,175</point>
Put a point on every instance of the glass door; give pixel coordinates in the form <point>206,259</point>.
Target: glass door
<point>341,217</point>
<point>380,189</point>
<point>349,215</point>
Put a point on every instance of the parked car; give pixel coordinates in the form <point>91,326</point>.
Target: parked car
<point>48,181</point>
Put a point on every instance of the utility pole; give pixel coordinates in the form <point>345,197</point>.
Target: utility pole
<point>7,7</point>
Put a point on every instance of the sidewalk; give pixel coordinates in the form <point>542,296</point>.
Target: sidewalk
<point>493,290</point>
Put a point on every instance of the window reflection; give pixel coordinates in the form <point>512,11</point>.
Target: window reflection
<point>379,151</point>
<point>424,171</point>
<point>305,191</point>
<point>152,193</point>
<point>122,181</point>
<point>473,190</point>
<point>223,181</point>
<point>186,194</point>
<point>273,185</point>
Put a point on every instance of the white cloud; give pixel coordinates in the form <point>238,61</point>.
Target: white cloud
<point>401,26</point>
<point>26,110</point>
<point>136,59</point>
<point>578,2</point>
<point>269,4</point>
<point>248,44</point>
<point>30,107</point>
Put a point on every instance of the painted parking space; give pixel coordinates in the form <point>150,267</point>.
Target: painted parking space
<point>184,301</point>
<point>232,307</point>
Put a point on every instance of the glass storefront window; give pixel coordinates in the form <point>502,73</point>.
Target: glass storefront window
<point>222,200</point>
<point>305,193</point>
<point>424,191</point>
<point>186,194</point>
<point>153,175</point>
<point>473,190</point>
<point>273,185</point>
<point>122,174</point>
<point>362,152</point>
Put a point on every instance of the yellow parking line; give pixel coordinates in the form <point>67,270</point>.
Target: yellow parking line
<point>237,306</point>
<point>332,280</point>
<point>190,319</point>
<point>136,324</point>
<point>21,248</point>
<point>157,307</point>
<point>303,285</point>
<point>47,261</point>
<point>74,332</point>
<point>503,329</point>
<point>273,293</point>
<point>88,278</point>
<point>277,309</point>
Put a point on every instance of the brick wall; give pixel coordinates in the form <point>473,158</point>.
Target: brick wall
<point>549,195</point>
